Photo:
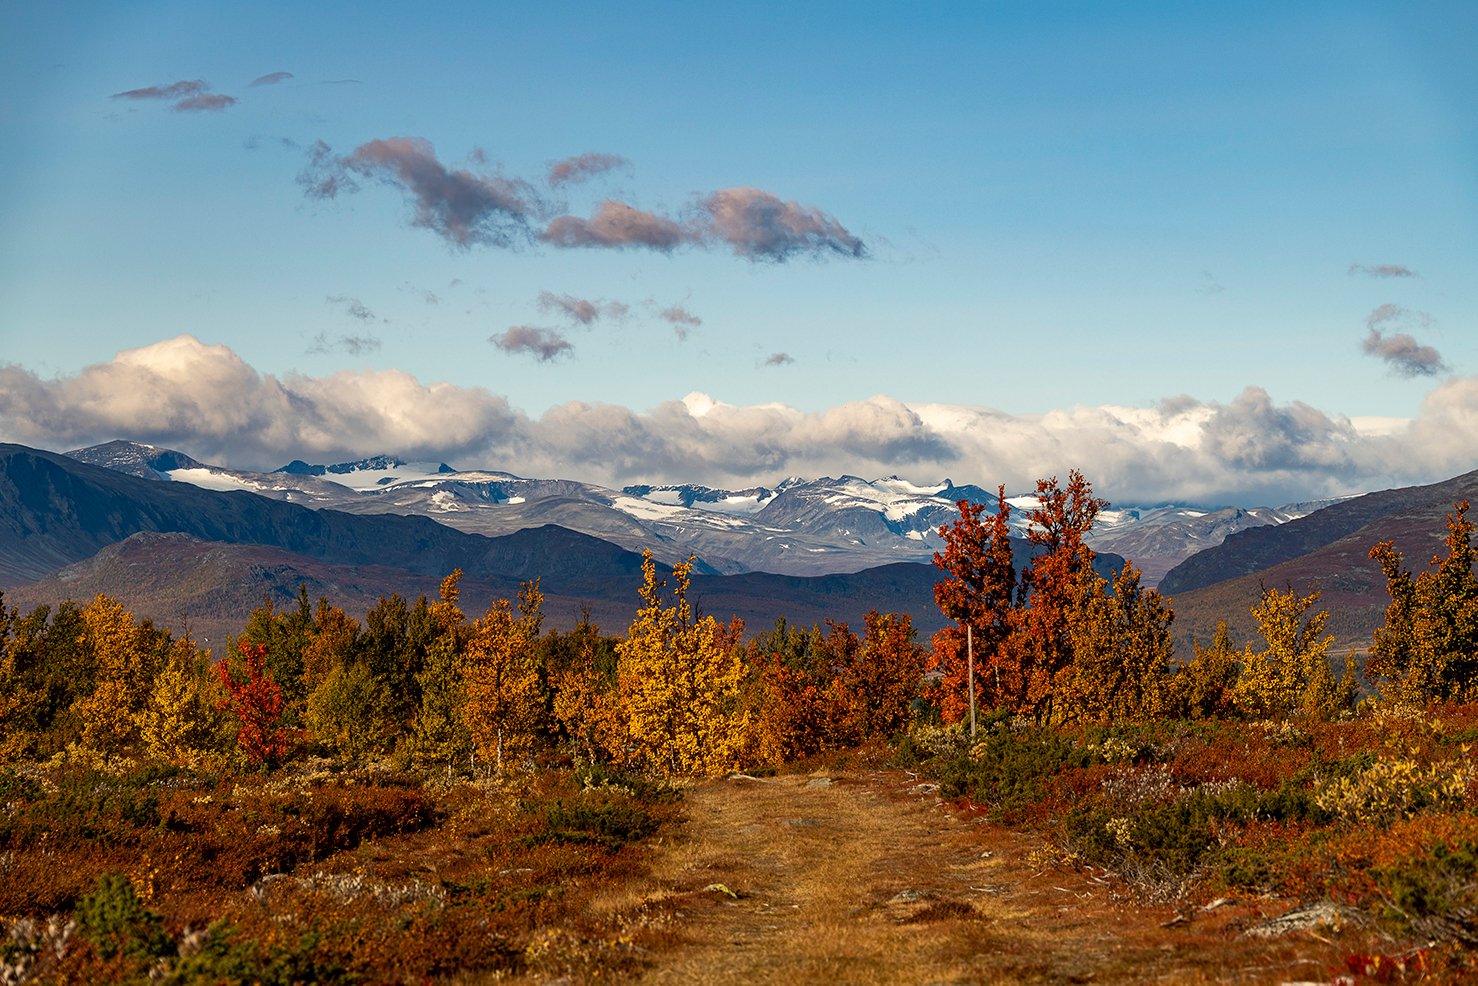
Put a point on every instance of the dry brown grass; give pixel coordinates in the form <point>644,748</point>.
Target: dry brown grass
<point>865,878</point>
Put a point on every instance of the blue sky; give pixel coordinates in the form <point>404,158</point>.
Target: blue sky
<point>1086,229</point>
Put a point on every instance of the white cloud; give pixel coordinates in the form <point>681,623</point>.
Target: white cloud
<point>205,400</point>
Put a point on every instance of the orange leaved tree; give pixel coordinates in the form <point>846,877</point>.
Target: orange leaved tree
<point>1039,658</point>
<point>979,595</point>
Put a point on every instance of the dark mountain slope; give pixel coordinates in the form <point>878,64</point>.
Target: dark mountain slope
<point>1251,551</point>
<point>55,510</point>
<point>180,581</point>
<point>1352,587</point>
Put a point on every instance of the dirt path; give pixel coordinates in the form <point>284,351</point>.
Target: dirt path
<point>863,878</point>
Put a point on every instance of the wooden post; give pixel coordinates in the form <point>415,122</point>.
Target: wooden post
<point>970,653</point>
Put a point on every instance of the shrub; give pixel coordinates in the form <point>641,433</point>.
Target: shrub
<point>1436,894</point>
<point>1390,789</point>
<point>1009,769</point>
<point>608,824</point>
<point>216,957</point>
<point>117,923</point>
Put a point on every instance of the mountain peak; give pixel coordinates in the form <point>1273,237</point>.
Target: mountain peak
<point>134,458</point>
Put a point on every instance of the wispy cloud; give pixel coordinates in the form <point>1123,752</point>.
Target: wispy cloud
<point>172,90</point>
<point>1209,284</point>
<point>353,307</point>
<point>778,359</point>
<point>462,207</point>
<point>467,207</point>
<point>271,78</point>
<point>681,320</point>
<point>363,345</point>
<point>206,102</point>
<point>191,95</point>
<point>618,225</point>
<point>581,310</point>
<point>1401,352</point>
<point>759,226</point>
<point>206,400</point>
<point>1382,270</point>
<point>583,167</point>
<point>543,344</point>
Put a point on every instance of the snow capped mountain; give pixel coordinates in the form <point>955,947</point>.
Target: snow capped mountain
<point>144,461</point>
<point>365,474</point>
<point>747,501</point>
<point>796,527</point>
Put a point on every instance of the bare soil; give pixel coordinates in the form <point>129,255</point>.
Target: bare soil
<point>866,877</point>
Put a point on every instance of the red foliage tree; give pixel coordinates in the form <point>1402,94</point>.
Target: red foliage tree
<point>874,685</point>
<point>980,593</point>
<point>258,706</point>
<point>1055,585</point>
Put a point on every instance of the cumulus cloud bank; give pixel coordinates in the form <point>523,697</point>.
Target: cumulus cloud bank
<point>205,400</point>
<point>186,394</point>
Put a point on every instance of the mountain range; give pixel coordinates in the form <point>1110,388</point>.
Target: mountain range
<point>795,527</point>
<point>185,554</point>
<point>183,541</point>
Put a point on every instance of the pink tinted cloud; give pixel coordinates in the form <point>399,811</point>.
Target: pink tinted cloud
<point>759,226</point>
<point>617,225</point>
<point>582,167</point>
<point>543,344</point>
<point>460,206</point>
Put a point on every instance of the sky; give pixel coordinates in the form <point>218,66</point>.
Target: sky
<point>1218,254</point>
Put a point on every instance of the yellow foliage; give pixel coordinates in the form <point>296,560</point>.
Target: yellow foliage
<point>1121,650</point>
<point>1292,673</point>
<point>108,714</point>
<point>1398,788</point>
<point>504,698</point>
<point>679,681</point>
<point>1204,686</point>
<point>180,721</point>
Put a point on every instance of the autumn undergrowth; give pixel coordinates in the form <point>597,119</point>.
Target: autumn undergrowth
<point>1375,811</point>
<point>318,872</point>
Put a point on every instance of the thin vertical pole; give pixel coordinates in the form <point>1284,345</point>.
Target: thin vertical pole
<point>970,651</point>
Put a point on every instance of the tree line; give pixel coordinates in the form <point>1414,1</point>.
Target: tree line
<point>430,685</point>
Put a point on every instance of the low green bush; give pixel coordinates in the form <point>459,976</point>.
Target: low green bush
<point>1436,894</point>
<point>117,923</point>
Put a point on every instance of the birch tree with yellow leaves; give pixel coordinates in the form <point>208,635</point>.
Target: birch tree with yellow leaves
<point>680,681</point>
<point>504,697</point>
